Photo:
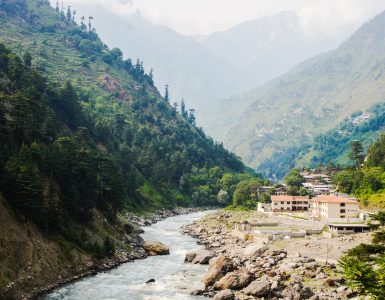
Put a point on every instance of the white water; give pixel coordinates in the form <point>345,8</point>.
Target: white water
<point>174,280</point>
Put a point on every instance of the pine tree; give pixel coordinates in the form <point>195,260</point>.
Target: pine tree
<point>166,94</point>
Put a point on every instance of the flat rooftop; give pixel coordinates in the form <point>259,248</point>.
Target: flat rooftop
<point>349,225</point>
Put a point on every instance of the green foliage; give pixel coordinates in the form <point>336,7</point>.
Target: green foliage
<point>265,198</point>
<point>294,178</point>
<point>357,153</point>
<point>335,145</point>
<point>364,265</point>
<point>246,193</point>
<point>108,247</point>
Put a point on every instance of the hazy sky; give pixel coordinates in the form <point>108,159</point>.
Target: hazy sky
<point>326,17</point>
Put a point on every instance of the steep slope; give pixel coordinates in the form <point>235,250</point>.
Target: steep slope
<point>288,112</point>
<point>84,138</point>
<point>334,146</point>
<point>193,72</point>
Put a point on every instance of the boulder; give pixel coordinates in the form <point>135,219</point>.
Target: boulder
<point>258,288</point>
<point>217,269</point>
<point>131,228</point>
<point>225,295</point>
<point>134,239</point>
<point>203,257</point>
<point>156,248</point>
<point>255,249</point>
<point>234,280</point>
<point>306,293</point>
<point>190,256</point>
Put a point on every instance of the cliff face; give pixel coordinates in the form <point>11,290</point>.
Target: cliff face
<point>29,261</point>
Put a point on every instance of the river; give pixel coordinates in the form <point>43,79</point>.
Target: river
<point>174,280</point>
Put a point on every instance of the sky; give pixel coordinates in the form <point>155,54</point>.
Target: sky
<point>202,17</point>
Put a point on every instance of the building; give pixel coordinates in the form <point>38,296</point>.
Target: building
<point>334,207</point>
<point>349,228</point>
<point>281,191</point>
<point>318,189</point>
<point>289,203</point>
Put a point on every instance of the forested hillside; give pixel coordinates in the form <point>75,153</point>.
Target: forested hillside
<point>366,179</point>
<point>334,146</point>
<point>289,112</point>
<point>84,137</point>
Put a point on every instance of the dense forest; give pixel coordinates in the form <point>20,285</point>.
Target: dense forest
<point>66,150</point>
<point>365,179</point>
<point>85,136</point>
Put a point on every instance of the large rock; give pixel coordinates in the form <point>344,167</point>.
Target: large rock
<point>258,288</point>
<point>190,256</point>
<point>132,229</point>
<point>199,257</point>
<point>156,248</point>
<point>203,257</point>
<point>234,280</point>
<point>225,295</point>
<point>217,269</point>
<point>255,250</point>
<point>134,239</point>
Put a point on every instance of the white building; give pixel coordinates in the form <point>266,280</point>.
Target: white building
<point>335,208</point>
<point>289,203</point>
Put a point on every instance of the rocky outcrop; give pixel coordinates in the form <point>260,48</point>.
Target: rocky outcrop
<point>156,248</point>
<point>217,269</point>
<point>234,280</point>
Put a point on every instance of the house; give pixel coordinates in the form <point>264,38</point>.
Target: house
<point>289,203</point>
<point>282,190</point>
<point>317,189</point>
<point>334,207</point>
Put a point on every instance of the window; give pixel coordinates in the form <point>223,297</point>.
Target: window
<point>288,202</point>
<point>342,204</point>
<point>342,211</point>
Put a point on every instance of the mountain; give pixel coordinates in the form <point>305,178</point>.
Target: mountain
<point>203,70</point>
<point>287,113</point>
<point>85,138</point>
<point>334,145</point>
<point>191,70</point>
<point>267,47</point>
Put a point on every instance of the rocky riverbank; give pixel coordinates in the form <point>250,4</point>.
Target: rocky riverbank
<point>242,268</point>
<point>135,225</point>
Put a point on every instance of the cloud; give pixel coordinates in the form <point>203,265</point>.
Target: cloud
<point>317,17</point>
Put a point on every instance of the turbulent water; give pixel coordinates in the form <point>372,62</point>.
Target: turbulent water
<point>174,280</point>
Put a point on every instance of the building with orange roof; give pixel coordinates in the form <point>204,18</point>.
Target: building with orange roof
<point>289,203</point>
<point>334,207</point>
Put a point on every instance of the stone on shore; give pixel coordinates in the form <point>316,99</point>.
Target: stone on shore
<point>217,269</point>
<point>258,288</point>
<point>202,257</point>
<point>234,280</point>
<point>134,239</point>
<point>225,295</point>
<point>156,248</point>
<point>199,257</point>
<point>254,250</point>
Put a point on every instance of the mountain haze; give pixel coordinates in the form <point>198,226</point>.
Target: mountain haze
<point>205,69</point>
<point>284,115</point>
